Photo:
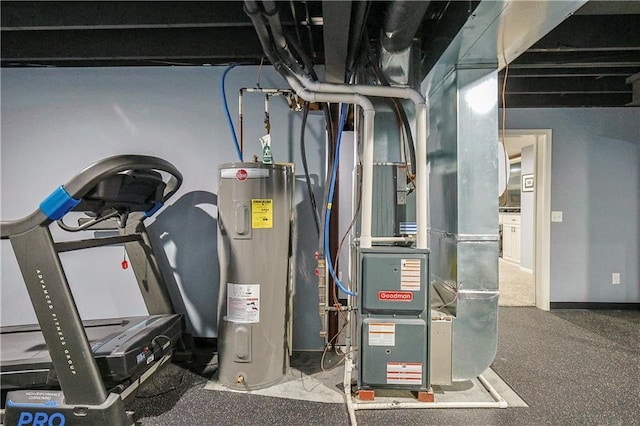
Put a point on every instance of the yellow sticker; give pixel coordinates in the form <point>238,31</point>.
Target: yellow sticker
<point>261,213</point>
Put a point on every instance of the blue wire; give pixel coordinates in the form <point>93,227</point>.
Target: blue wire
<point>226,109</point>
<point>332,186</point>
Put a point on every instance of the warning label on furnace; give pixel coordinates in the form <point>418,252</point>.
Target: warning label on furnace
<point>261,213</point>
<point>404,373</point>
<point>382,334</point>
<point>243,303</point>
<point>410,275</point>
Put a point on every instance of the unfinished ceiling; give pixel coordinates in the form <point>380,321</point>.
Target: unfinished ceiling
<point>585,61</point>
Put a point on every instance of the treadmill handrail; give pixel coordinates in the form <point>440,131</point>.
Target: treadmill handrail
<point>79,185</point>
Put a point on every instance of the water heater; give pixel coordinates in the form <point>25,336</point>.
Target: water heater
<point>255,222</point>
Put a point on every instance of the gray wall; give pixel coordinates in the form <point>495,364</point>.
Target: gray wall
<point>57,121</point>
<point>595,181</point>
<point>527,210</point>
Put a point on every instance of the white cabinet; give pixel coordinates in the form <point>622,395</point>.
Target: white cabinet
<point>511,246</point>
<point>511,243</point>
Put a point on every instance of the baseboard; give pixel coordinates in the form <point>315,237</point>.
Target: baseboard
<point>596,305</point>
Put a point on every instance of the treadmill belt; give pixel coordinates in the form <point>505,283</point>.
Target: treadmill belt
<point>117,345</point>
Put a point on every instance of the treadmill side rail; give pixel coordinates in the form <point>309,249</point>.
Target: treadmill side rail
<point>58,317</point>
<point>145,267</point>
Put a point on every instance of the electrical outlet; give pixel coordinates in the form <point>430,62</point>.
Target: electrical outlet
<point>615,278</point>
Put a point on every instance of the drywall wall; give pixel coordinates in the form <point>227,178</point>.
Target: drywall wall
<point>55,122</point>
<point>595,182</point>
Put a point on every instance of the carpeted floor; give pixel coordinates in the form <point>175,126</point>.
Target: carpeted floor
<point>571,367</point>
<point>517,287</point>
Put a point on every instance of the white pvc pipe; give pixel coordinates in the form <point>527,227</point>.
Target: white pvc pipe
<point>492,391</point>
<point>347,390</point>
<point>367,136</point>
<point>367,90</point>
<point>392,239</point>
<point>498,402</point>
<point>367,181</point>
<point>273,92</point>
<point>422,189</point>
<point>423,405</point>
<point>422,132</point>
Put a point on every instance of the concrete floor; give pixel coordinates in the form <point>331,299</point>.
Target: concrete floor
<point>571,367</point>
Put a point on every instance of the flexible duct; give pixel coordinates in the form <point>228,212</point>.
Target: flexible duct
<point>396,55</point>
<point>401,22</point>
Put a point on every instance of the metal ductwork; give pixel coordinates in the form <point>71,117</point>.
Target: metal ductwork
<point>402,20</point>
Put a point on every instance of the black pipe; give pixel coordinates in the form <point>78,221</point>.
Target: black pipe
<point>402,20</point>
<point>251,7</point>
<point>271,12</point>
<point>400,112</point>
<point>253,10</point>
<point>282,48</point>
<point>307,63</point>
<point>357,30</point>
<point>273,16</point>
<point>303,154</point>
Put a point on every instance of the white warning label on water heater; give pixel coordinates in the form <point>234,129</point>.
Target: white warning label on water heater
<point>382,334</point>
<point>404,373</point>
<point>243,303</point>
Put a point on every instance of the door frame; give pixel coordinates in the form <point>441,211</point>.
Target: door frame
<point>542,239</point>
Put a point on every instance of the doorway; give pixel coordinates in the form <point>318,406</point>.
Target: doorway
<point>524,217</point>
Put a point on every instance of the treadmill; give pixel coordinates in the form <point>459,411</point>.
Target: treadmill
<point>80,372</point>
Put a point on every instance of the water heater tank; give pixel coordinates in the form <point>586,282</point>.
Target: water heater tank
<point>255,222</point>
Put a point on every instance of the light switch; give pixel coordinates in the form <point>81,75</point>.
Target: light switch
<point>615,278</point>
<point>556,216</point>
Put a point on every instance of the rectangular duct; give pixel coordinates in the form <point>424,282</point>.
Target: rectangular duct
<point>463,152</point>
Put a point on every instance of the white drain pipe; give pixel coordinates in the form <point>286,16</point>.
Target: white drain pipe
<point>347,390</point>
<point>498,402</point>
<point>422,132</point>
<point>310,95</point>
<point>423,405</point>
<point>492,391</point>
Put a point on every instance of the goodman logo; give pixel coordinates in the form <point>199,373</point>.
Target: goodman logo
<point>395,296</point>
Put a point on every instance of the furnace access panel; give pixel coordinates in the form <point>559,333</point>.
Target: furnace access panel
<point>393,318</point>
